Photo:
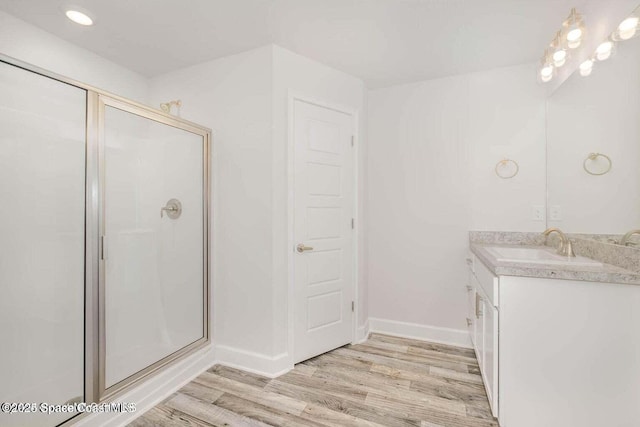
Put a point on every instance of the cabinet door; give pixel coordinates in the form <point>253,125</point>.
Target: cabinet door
<point>479,327</point>
<point>471,306</point>
<point>490,358</point>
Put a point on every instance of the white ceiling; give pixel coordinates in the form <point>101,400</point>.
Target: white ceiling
<point>384,42</point>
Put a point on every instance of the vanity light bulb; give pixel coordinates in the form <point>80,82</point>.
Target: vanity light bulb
<point>546,73</point>
<point>559,57</point>
<point>574,38</point>
<point>627,29</point>
<point>603,52</point>
<point>586,68</point>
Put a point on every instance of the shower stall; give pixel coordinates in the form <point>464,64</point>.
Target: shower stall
<point>104,243</point>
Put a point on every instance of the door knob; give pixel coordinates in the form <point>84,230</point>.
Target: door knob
<point>301,248</point>
<point>173,208</point>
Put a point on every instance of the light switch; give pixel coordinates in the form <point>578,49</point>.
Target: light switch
<point>537,213</point>
<point>555,213</point>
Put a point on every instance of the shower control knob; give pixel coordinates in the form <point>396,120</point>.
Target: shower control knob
<point>173,209</point>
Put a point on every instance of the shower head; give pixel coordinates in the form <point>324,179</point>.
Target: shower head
<point>166,106</point>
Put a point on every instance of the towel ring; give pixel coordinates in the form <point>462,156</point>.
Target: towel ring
<point>503,163</point>
<point>593,157</point>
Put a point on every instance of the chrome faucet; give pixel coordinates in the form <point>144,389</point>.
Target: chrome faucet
<point>565,248</point>
<point>625,239</point>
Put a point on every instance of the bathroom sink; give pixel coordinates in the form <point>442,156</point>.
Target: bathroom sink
<point>538,256</point>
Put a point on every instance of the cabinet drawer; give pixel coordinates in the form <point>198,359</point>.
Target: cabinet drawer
<point>488,281</point>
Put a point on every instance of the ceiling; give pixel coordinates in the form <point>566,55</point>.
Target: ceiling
<point>384,42</point>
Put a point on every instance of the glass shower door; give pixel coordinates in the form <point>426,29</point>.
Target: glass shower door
<point>42,236</point>
<point>154,267</point>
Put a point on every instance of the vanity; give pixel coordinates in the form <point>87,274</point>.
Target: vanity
<point>557,339</point>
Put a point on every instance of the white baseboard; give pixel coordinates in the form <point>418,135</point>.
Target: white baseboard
<point>456,337</point>
<point>153,391</point>
<point>256,363</point>
<point>362,333</point>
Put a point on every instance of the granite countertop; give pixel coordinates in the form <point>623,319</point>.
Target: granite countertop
<point>606,273</point>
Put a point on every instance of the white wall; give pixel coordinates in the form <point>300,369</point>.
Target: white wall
<point>32,45</point>
<point>506,118</point>
<point>432,150</point>
<point>599,114</point>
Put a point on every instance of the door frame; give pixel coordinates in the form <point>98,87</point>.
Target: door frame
<point>292,97</point>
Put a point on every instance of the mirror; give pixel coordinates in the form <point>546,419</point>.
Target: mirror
<point>593,147</point>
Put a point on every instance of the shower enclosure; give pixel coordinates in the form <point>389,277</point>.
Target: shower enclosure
<point>104,242</point>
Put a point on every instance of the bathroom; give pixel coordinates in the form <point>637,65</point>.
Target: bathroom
<point>320,212</point>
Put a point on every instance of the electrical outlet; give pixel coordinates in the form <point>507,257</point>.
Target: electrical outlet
<point>555,213</point>
<point>537,213</point>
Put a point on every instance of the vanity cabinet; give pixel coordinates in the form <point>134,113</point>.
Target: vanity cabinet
<point>483,321</point>
<point>556,353</point>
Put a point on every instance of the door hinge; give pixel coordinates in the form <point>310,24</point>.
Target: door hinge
<point>353,138</point>
<point>353,306</point>
<point>353,223</point>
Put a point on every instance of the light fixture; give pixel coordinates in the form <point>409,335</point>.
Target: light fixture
<point>559,54</point>
<point>79,17</point>
<point>574,29</point>
<point>627,28</point>
<point>586,68</point>
<point>604,50</point>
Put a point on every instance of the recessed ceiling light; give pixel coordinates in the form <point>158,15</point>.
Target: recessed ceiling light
<point>79,17</point>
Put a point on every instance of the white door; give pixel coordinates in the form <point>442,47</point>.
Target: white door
<point>323,229</point>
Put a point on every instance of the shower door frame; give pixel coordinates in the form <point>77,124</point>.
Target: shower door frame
<point>94,326</point>
<point>103,101</point>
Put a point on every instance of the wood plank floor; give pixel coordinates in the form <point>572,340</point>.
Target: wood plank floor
<point>385,381</point>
